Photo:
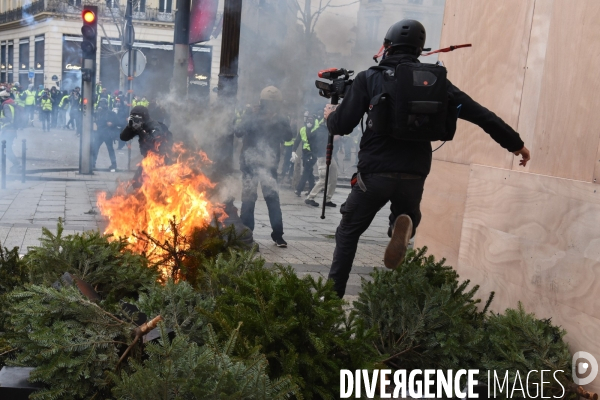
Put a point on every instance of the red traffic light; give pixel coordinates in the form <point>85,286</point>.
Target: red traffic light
<point>88,16</point>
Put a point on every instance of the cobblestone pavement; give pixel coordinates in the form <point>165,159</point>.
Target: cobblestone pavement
<point>49,194</point>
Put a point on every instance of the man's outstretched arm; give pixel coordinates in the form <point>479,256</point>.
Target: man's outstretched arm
<point>500,131</point>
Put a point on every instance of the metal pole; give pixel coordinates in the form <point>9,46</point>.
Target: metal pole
<point>87,109</point>
<point>129,40</point>
<point>230,49</point>
<point>23,160</point>
<point>228,74</point>
<point>181,47</point>
<point>3,164</point>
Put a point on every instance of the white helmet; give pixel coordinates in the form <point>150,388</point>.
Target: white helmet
<point>4,95</point>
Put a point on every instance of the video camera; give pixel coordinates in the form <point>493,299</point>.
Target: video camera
<point>341,81</point>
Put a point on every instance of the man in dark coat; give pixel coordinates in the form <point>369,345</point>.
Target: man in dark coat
<point>390,169</point>
<point>264,131</point>
<point>108,127</point>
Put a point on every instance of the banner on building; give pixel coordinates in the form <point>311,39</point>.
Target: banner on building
<point>202,20</point>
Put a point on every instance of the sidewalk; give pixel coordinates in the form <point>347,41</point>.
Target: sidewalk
<point>25,208</point>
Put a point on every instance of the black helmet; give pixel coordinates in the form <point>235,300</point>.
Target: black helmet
<point>407,32</point>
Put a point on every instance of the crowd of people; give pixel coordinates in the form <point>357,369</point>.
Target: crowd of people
<point>62,109</point>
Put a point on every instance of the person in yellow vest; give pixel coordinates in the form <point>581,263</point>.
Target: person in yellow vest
<point>104,95</point>
<point>63,106</point>
<point>287,169</point>
<point>46,111</point>
<point>28,96</point>
<point>9,129</point>
<point>99,88</point>
<point>40,92</point>
<point>143,102</point>
<point>311,123</point>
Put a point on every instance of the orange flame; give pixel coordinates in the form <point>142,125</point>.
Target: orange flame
<point>168,191</point>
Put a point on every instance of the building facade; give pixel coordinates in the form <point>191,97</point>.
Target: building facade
<point>40,44</point>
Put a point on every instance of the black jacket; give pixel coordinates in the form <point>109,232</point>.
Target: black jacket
<point>262,136</point>
<point>116,124</point>
<point>155,136</point>
<point>379,152</point>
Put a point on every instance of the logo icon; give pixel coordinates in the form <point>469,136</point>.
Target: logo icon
<point>581,368</point>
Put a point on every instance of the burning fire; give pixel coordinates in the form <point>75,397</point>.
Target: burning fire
<point>169,191</point>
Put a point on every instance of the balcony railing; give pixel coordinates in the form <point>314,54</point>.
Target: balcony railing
<point>65,7</point>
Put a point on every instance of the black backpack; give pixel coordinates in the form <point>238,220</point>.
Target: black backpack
<point>415,104</point>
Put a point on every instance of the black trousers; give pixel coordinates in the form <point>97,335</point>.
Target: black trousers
<point>308,163</point>
<point>54,115</point>
<point>45,117</point>
<point>99,139</point>
<point>359,210</point>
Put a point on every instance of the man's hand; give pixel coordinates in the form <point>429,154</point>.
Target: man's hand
<point>524,152</point>
<point>329,108</point>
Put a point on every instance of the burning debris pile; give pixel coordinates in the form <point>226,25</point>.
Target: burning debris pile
<point>172,199</point>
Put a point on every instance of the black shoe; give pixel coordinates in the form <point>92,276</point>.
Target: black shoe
<point>311,202</point>
<point>330,204</point>
<point>396,248</point>
<point>297,193</point>
<point>280,242</point>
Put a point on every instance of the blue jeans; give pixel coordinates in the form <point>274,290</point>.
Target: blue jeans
<point>268,183</point>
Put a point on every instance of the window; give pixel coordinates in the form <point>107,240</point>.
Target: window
<point>3,63</point>
<point>75,3</point>
<point>23,55</point>
<point>165,6</point>
<point>140,6</point>
<point>112,3</point>
<point>9,61</point>
<point>39,53</point>
<point>372,28</point>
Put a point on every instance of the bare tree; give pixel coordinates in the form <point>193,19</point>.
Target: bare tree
<point>309,18</point>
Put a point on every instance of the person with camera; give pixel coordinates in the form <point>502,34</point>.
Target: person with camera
<point>392,164</point>
<point>263,130</point>
<point>153,136</point>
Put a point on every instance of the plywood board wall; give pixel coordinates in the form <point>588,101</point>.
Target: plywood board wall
<point>535,238</point>
<point>566,138</point>
<point>491,72</point>
<point>534,72</point>
<point>443,207</point>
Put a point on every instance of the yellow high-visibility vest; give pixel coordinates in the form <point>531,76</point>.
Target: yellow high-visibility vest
<point>46,104</point>
<point>305,144</point>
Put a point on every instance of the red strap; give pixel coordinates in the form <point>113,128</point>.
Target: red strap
<point>379,54</point>
<point>447,49</point>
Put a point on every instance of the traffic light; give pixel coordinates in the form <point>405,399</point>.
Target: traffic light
<point>89,30</point>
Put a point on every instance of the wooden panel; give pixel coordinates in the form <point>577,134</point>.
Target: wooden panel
<point>582,330</point>
<point>566,133</point>
<point>534,72</point>
<point>491,72</point>
<point>443,208</point>
<point>535,238</point>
